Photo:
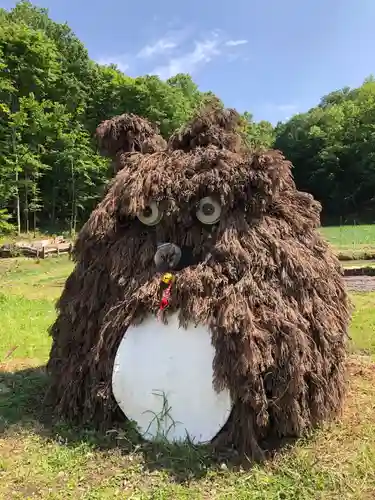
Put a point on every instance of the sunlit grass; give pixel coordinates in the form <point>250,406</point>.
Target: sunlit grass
<point>356,242</point>
<point>43,461</point>
<point>33,278</point>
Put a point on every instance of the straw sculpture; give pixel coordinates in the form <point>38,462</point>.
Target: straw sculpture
<point>261,277</point>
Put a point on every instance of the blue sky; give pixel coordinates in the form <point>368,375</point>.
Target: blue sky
<point>270,57</point>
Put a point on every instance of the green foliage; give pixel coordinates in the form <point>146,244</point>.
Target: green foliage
<point>5,225</point>
<point>52,98</point>
<point>332,147</point>
<point>259,135</point>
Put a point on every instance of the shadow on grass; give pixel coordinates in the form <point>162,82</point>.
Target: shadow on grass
<point>21,404</point>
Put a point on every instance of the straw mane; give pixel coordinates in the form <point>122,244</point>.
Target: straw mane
<point>126,134</point>
<point>272,291</point>
<point>212,127</point>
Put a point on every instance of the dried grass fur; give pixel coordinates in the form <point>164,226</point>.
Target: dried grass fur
<point>128,133</point>
<point>212,126</point>
<point>272,291</point>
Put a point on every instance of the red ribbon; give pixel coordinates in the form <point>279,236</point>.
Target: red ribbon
<point>164,303</point>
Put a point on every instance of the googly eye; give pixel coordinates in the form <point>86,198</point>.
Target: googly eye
<point>151,215</point>
<point>209,211</point>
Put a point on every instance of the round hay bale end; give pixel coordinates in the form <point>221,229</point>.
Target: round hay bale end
<point>244,262</point>
<point>168,391</point>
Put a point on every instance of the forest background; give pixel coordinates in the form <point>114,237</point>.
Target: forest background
<point>53,96</point>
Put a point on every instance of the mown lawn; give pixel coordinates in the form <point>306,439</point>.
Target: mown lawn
<point>39,460</point>
<point>355,242</point>
<point>350,241</point>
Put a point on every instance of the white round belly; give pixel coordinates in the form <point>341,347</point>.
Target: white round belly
<point>162,380</point>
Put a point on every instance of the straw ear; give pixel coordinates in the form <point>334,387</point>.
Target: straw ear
<point>212,126</point>
<point>128,133</point>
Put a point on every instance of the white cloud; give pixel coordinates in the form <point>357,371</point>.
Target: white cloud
<point>119,60</point>
<point>282,112</point>
<point>166,44</point>
<point>171,49</point>
<point>160,47</point>
<point>235,43</point>
<point>202,54</point>
<point>286,108</point>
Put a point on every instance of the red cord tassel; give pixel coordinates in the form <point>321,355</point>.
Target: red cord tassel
<point>164,303</point>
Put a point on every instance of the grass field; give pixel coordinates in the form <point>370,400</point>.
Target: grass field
<point>355,242</point>
<point>39,460</point>
<point>352,241</point>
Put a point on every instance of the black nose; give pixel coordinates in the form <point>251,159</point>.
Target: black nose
<point>167,257</point>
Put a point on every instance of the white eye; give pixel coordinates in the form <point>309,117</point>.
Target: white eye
<point>209,211</point>
<point>151,215</point>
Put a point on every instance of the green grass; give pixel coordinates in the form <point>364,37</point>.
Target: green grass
<point>350,241</point>
<point>42,460</point>
<point>358,263</point>
<point>30,237</point>
<point>362,328</point>
<point>26,320</point>
<point>354,241</point>
<point>34,278</point>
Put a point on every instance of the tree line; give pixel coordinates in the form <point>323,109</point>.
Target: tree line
<point>53,96</point>
<point>332,147</point>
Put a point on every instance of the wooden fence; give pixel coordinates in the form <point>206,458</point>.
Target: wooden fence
<point>38,250</point>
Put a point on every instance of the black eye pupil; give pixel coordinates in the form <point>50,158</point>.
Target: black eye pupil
<point>147,212</point>
<point>208,209</point>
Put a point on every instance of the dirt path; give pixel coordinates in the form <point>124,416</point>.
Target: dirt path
<point>360,283</point>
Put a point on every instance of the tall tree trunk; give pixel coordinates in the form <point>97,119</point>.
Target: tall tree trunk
<point>27,225</point>
<point>73,216</point>
<point>18,206</point>
<point>53,210</point>
<point>17,193</point>
<point>34,223</point>
<point>54,195</point>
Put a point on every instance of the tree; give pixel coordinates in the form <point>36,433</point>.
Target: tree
<point>53,97</point>
<point>332,148</point>
<point>76,69</point>
<point>259,135</point>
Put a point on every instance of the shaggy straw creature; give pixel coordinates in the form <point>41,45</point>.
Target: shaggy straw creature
<point>260,276</point>
<point>126,134</point>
